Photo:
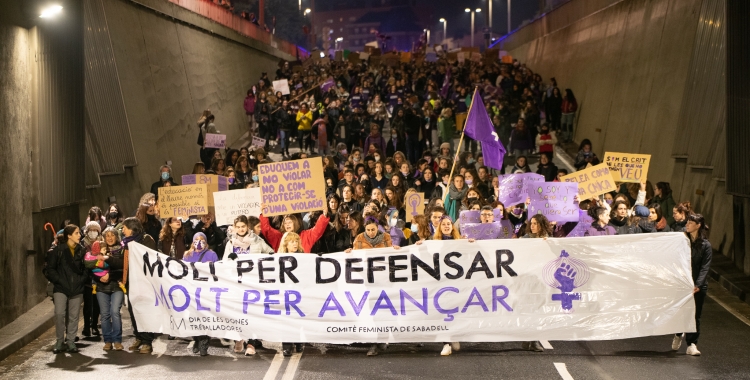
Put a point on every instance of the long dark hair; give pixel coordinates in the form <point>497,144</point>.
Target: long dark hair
<point>134,225</point>
<point>702,227</point>
<point>69,229</point>
<point>666,190</point>
<point>658,210</point>
<point>569,95</point>
<point>545,230</point>
<point>95,214</point>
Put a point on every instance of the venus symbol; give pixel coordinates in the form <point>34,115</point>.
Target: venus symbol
<point>496,137</point>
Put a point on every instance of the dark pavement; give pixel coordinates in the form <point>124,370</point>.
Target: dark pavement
<point>724,343</point>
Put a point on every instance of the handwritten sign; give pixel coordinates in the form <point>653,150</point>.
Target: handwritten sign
<point>214,140</point>
<point>584,222</point>
<point>281,85</point>
<point>514,187</point>
<point>414,205</point>
<point>183,201</point>
<point>502,229</point>
<point>628,167</point>
<point>292,186</point>
<point>592,181</point>
<point>258,142</point>
<point>554,211</point>
<point>233,203</point>
<point>553,191</point>
<point>213,182</point>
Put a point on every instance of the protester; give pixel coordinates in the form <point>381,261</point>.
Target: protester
<point>132,231</point>
<point>107,258</point>
<point>600,226</point>
<point>200,253</point>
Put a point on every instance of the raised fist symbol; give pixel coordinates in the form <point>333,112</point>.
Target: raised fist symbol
<point>565,275</point>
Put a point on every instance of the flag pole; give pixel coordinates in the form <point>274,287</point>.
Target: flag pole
<point>461,140</point>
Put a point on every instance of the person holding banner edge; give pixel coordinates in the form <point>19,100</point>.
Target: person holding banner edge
<point>538,227</point>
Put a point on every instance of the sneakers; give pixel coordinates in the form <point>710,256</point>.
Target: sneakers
<point>107,346</point>
<point>373,350</point>
<point>136,345</point>
<point>196,348</point>
<point>456,346</point>
<point>446,350</point>
<point>95,331</point>
<point>239,346</point>
<point>692,350</point>
<point>677,342</point>
<point>536,347</point>
<point>118,346</point>
<point>72,347</point>
<point>250,351</point>
<point>59,347</point>
<point>299,347</point>
<point>146,349</point>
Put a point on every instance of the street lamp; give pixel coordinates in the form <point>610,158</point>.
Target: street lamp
<point>338,42</point>
<point>51,11</point>
<point>467,10</point>
<point>445,28</point>
<point>509,17</point>
<point>428,36</point>
<point>307,11</point>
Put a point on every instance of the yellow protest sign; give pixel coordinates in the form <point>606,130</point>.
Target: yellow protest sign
<point>414,205</point>
<point>183,201</point>
<point>592,181</point>
<point>213,182</point>
<point>628,167</point>
<point>292,186</point>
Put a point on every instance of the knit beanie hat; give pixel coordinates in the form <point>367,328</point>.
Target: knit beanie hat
<point>93,226</point>
<point>642,211</point>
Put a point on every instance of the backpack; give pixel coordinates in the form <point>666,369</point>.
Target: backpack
<point>50,286</point>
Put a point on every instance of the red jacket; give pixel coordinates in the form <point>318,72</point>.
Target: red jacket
<point>308,237</point>
<point>569,107</point>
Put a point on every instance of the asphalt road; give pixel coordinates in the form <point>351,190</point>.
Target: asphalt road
<point>724,343</point>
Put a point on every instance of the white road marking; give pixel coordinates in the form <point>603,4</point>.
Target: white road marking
<point>562,369</point>
<point>274,368</point>
<point>545,344</point>
<point>291,368</point>
<point>563,157</point>
<point>728,308</point>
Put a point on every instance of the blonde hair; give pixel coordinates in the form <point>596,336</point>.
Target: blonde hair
<point>438,235</point>
<point>289,237</point>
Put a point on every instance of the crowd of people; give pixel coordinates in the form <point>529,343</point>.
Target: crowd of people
<point>420,108</point>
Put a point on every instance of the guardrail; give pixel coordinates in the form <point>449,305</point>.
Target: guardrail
<point>221,15</point>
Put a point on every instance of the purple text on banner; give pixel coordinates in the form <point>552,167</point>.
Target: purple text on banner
<point>555,211</point>
<point>486,231</point>
<point>553,191</point>
<point>514,187</point>
<point>584,222</point>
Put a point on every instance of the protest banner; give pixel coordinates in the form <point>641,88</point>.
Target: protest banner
<point>327,85</point>
<point>258,142</point>
<point>214,140</point>
<point>405,57</point>
<point>233,203</point>
<point>183,201</point>
<point>628,167</point>
<point>364,56</point>
<point>439,291</point>
<point>584,222</point>
<point>213,182</point>
<point>592,181</point>
<point>414,205</point>
<point>292,186</point>
<point>514,188</point>
<point>281,85</point>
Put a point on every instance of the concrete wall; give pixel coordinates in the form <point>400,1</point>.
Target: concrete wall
<point>169,72</point>
<point>627,65</point>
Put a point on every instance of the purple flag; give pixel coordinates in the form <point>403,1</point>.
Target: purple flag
<point>325,86</point>
<point>479,127</point>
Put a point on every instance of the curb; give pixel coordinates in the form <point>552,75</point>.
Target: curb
<point>730,277</point>
<point>24,329</point>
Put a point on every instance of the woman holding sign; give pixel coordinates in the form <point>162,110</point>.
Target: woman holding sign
<point>538,227</point>
<point>293,224</point>
<point>200,253</point>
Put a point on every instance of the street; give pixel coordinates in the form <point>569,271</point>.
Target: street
<point>724,343</point>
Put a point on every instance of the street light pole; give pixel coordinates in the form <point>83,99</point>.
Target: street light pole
<point>509,29</point>
<point>467,10</point>
<point>489,10</point>
<point>445,28</point>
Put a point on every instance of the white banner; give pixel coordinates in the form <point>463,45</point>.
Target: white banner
<point>593,288</point>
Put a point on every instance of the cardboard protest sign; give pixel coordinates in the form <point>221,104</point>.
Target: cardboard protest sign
<point>281,85</point>
<point>452,57</point>
<point>554,200</point>
<point>592,181</point>
<point>414,205</point>
<point>258,142</point>
<point>233,203</point>
<point>214,140</point>
<point>353,57</point>
<point>363,56</point>
<point>214,183</point>
<point>507,59</point>
<point>476,57</point>
<point>183,201</point>
<point>405,57</point>
<point>628,167</point>
<point>292,186</point>
<point>431,57</point>
<point>338,56</point>
<point>461,57</point>
<point>554,211</point>
<point>514,187</point>
<point>553,191</point>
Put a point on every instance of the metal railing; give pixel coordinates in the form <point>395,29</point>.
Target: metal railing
<point>223,16</point>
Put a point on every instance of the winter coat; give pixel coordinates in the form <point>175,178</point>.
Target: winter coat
<point>378,141</point>
<point>667,204</point>
<point>250,104</point>
<point>361,243</point>
<point>597,230</point>
<point>700,261</point>
<point>679,226</point>
<point>115,264</point>
<point>624,227</point>
<point>521,140</point>
<point>179,246</point>
<point>256,245</point>
<point>65,271</point>
<point>549,172</point>
<point>308,237</point>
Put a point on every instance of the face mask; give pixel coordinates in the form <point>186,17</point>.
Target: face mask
<point>255,178</point>
<point>609,201</point>
<point>231,180</point>
<point>338,84</point>
<point>355,159</point>
<point>471,161</point>
<point>517,211</point>
<point>93,235</point>
<point>414,228</point>
<point>393,222</point>
<point>472,199</point>
<point>468,182</point>
<point>343,152</point>
<point>199,245</point>
<point>377,158</point>
<point>112,215</point>
<point>164,176</point>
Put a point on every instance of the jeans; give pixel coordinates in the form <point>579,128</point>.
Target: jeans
<point>284,140</point>
<point>306,138</point>
<point>692,338</point>
<point>70,306</point>
<point>567,125</point>
<point>109,305</point>
<point>90,310</point>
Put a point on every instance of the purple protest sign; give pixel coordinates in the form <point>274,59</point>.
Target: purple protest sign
<point>514,187</point>
<point>213,140</point>
<point>486,231</point>
<point>468,216</point>
<point>553,191</point>
<point>555,211</point>
<point>584,222</point>
<point>327,85</point>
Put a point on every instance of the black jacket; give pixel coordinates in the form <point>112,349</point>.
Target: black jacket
<point>65,271</point>
<point>115,264</point>
<point>623,227</point>
<point>700,261</point>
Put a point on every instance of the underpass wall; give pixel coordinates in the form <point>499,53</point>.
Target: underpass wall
<point>169,72</point>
